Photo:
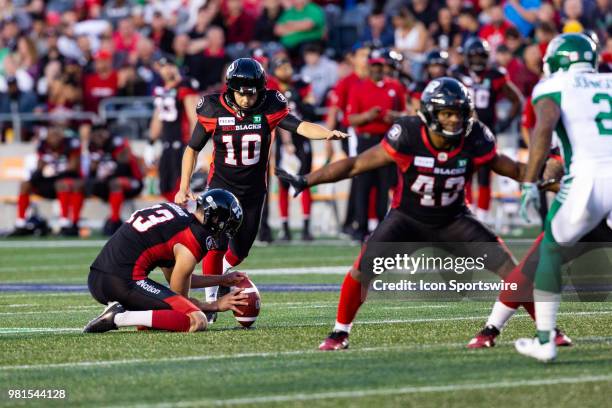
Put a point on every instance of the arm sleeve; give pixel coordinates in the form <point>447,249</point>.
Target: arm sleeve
<point>199,137</point>
<point>290,123</point>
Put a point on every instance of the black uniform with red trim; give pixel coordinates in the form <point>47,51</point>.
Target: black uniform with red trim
<point>144,242</point>
<point>241,150</point>
<point>485,89</point>
<point>55,162</point>
<point>170,105</point>
<point>107,167</point>
<point>429,202</point>
<point>303,149</point>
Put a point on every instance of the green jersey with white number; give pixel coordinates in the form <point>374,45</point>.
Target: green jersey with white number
<point>585,127</point>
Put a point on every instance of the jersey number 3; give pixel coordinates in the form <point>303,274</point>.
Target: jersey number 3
<point>250,150</point>
<point>143,223</point>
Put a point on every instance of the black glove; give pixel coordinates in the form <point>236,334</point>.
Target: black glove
<point>298,182</point>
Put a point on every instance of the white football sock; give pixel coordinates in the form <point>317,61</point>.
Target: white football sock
<point>226,265</point>
<point>343,327</point>
<point>20,223</point>
<point>211,293</point>
<point>134,318</point>
<point>500,315</point>
<point>546,308</point>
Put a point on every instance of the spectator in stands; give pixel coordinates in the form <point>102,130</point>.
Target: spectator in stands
<point>515,42</point>
<point>208,66</point>
<point>454,6</point>
<point>64,91</point>
<point>494,32</point>
<point>600,17</point>
<point>573,11</point>
<point>10,33</point>
<point>548,14</point>
<point>126,38</point>
<point>319,71</point>
<point>102,83</point>
<point>207,15</point>
<point>264,26</point>
<point>160,34</point>
<point>522,14</point>
<point>180,50</point>
<point>468,23</point>
<point>379,31</point>
<point>410,34</point>
<point>446,34</point>
<point>239,24</point>
<point>17,92</point>
<point>146,55</point>
<point>27,56</point>
<point>303,22</point>
<point>544,34</point>
<point>117,10</point>
<point>424,11</point>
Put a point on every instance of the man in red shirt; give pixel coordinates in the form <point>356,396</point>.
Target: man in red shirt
<point>103,83</point>
<point>373,105</point>
<point>337,101</point>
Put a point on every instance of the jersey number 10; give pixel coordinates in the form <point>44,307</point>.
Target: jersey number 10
<point>248,155</point>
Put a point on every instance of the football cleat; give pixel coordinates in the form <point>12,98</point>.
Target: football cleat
<point>485,338</point>
<point>211,317</point>
<point>307,236</point>
<point>562,339</point>
<point>70,231</point>
<point>533,348</point>
<point>20,232</point>
<point>337,340</point>
<point>106,320</point>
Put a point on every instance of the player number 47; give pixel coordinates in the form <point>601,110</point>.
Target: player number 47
<point>604,118</point>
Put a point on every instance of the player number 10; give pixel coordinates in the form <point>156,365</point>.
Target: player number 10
<point>247,140</point>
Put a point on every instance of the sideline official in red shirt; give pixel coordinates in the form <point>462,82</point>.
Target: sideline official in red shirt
<point>373,105</point>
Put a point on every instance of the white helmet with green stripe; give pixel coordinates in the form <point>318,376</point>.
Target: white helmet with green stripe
<point>570,52</point>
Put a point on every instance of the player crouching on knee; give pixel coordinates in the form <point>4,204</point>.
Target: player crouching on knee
<point>166,236</point>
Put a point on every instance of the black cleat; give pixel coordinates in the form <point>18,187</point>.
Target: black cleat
<point>307,236</point>
<point>211,317</point>
<point>265,235</point>
<point>71,231</point>
<point>106,320</point>
<point>20,232</point>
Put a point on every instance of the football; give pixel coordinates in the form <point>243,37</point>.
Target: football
<point>250,311</point>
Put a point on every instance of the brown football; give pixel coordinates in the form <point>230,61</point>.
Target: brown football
<point>250,311</point>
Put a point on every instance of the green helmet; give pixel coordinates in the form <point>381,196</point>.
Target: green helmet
<point>570,50</point>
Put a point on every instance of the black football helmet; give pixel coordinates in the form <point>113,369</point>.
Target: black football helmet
<point>245,76</point>
<point>222,211</point>
<point>437,57</point>
<point>476,54</point>
<point>446,93</point>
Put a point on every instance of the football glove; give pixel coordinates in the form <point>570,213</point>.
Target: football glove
<point>530,196</point>
<point>298,182</point>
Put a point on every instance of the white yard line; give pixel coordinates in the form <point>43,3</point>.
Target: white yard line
<point>352,394</point>
<point>22,330</point>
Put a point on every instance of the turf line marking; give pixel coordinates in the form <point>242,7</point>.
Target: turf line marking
<point>271,325</point>
<point>351,394</point>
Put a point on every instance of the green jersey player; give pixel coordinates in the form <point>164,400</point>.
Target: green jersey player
<point>576,102</point>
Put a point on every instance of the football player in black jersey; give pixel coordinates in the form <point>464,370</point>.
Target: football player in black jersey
<point>114,173</point>
<point>436,66</point>
<point>487,84</point>
<point>301,102</point>
<point>173,120</point>
<point>166,236</point>
<point>240,122</point>
<point>435,152</point>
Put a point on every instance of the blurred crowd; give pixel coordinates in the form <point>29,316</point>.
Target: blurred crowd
<point>64,55</point>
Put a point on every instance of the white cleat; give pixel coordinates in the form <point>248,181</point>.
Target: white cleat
<point>532,348</point>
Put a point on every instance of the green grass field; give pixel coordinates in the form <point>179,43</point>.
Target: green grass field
<point>403,354</point>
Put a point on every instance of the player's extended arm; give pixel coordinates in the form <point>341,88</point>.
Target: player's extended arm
<point>505,166</point>
<point>547,116</point>
<point>317,132</point>
<point>371,159</point>
<point>185,262</point>
<point>199,137</point>
<point>205,281</point>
